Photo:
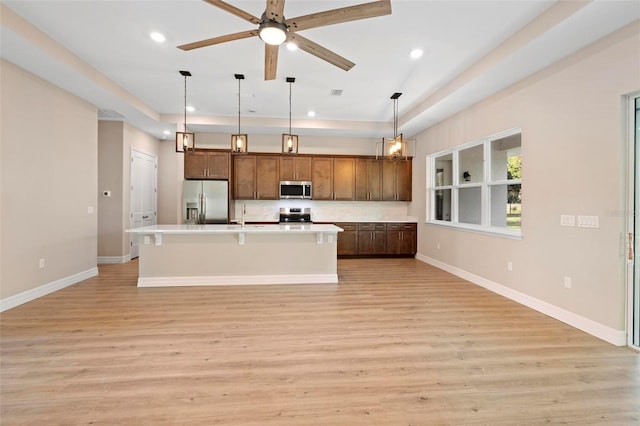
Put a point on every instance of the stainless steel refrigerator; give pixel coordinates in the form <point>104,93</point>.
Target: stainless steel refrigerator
<point>205,201</point>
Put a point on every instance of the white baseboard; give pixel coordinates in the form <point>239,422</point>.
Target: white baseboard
<point>237,280</point>
<point>608,334</point>
<point>114,259</point>
<point>43,290</point>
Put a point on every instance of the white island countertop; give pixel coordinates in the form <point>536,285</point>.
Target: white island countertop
<point>187,255</point>
<point>303,228</point>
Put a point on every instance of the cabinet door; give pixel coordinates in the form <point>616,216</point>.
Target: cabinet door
<point>267,178</point>
<point>302,166</point>
<point>403,180</point>
<point>396,180</point>
<point>344,179</point>
<point>368,179</point>
<point>295,168</point>
<point>348,239</point>
<point>389,180</point>
<point>401,238</point>
<point>379,243</point>
<point>322,178</point>
<point>218,165</point>
<point>244,177</point>
<point>195,165</point>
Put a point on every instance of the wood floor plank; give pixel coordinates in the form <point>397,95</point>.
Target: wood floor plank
<point>396,342</point>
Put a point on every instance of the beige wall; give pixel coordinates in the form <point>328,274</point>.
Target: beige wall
<point>573,163</point>
<point>116,139</point>
<point>49,180</point>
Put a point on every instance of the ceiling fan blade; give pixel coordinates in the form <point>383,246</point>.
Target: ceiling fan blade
<point>336,16</point>
<point>275,10</point>
<point>270,61</point>
<point>234,10</point>
<point>218,40</point>
<point>316,50</point>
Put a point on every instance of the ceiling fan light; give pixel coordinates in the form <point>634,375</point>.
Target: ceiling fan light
<point>272,32</point>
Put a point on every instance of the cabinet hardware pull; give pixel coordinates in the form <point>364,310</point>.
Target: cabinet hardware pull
<point>630,253</point>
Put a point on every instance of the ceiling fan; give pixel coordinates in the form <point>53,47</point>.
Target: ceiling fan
<point>274,30</point>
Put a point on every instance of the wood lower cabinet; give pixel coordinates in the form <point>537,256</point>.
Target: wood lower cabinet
<point>377,239</point>
<point>401,238</point>
<point>348,239</point>
<point>372,238</point>
<point>295,168</point>
<point>206,164</point>
<point>256,177</point>
<point>396,178</point>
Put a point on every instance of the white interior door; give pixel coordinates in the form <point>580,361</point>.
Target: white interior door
<point>143,193</point>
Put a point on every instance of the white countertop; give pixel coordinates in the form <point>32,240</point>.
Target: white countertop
<point>235,229</point>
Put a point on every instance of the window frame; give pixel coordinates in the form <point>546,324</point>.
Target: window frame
<point>486,185</point>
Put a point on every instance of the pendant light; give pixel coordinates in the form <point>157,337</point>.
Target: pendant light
<point>185,141</point>
<point>289,141</point>
<point>239,141</point>
<point>396,147</point>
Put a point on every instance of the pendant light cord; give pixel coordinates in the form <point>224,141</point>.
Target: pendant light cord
<point>289,109</point>
<point>238,106</point>
<point>185,104</point>
<point>395,118</point>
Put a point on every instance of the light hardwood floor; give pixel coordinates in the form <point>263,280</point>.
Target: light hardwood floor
<point>397,342</point>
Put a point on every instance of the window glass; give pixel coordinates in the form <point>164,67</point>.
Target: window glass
<point>506,159</point>
<point>443,204</point>
<point>470,205</point>
<point>471,161</point>
<point>506,206</point>
<point>444,170</point>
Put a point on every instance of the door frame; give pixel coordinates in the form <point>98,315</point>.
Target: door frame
<point>630,254</point>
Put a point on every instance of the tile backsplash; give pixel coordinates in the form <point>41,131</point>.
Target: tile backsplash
<point>327,211</point>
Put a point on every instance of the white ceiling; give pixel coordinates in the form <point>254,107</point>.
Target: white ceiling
<point>471,50</point>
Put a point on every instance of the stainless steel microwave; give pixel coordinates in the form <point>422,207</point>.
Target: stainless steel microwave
<point>295,189</point>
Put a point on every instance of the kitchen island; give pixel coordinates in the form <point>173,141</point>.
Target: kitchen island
<point>195,255</point>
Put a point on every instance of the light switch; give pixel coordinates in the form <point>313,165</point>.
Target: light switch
<point>567,220</point>
<point>588,222</point>
<point>90,210</point>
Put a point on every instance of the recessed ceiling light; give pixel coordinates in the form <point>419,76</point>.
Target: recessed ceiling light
<point>190,108</point>
<point>416,53</point>
<point>292,46</point>
<point>311,114</point>
<point>166,132</point>
<point>156,36</point>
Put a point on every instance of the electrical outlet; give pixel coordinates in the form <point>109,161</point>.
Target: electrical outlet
<point>567,282</point>
<point>438,245</point>
<point>567,220</point>
<point>90,210</point>
<point>509,266</point>
<point>41,263</point>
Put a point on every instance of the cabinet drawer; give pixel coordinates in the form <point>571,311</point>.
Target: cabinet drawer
<point>401,226</point>
<point>372,227</point>
<point>348,226</point>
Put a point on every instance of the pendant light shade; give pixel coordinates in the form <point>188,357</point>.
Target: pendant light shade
<point>239,141</point>
<point>185,140</point>
<point>290,141</point>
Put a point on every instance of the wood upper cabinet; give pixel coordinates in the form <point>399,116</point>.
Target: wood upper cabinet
<point>255,177</point>
<point>334,178</point>
<point>401,238</point>
<point>368,179</point>
<point>396,180</point>
<point>344,179</point>
<point>322,178</point>
<point>295,168</point>
<point>206,164</point>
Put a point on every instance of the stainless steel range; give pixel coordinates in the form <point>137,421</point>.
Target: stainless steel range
<point>295,215</point>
